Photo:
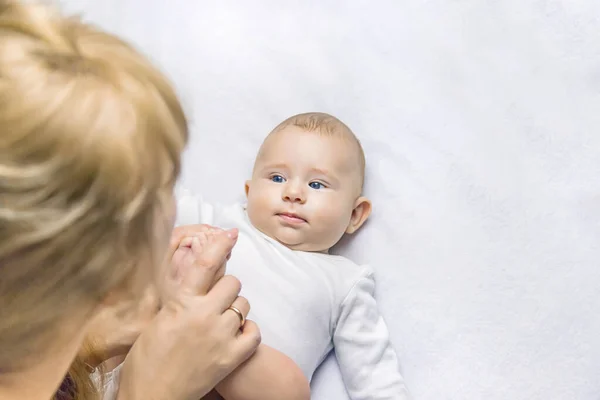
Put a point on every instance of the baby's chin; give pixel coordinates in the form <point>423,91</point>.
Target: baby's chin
<point>294,243</point>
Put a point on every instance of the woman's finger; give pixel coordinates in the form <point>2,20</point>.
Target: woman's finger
<point>224,293</point>
<point>219,274</point>
<point>236,314</point>
<point>208,261</point>
<point>196,279</point>
<point>247,341</point>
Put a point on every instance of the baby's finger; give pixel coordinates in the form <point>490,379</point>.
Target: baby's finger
<point>180,232</point>
<point>186,242</point>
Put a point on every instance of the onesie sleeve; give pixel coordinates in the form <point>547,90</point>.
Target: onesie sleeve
<point>107,383</point>
<point>368,363</point>
<point>192,209</point>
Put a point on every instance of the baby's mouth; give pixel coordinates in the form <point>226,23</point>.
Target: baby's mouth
<point>292,218</point>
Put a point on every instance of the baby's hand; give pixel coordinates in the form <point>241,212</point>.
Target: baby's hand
<point>190,247</point>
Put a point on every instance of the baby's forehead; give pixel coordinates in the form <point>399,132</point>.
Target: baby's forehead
<point>337,149</point>
<point>340,152</point>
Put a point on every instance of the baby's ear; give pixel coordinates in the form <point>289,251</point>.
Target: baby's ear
<point>247,187</point>
<point>360,213</point>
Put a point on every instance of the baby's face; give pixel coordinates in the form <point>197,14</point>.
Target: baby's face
<point>304,189</point>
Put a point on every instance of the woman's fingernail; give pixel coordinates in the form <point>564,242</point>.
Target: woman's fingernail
<point>232,233</point>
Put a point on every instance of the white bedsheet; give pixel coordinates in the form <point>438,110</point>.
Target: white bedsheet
<point>481,123</point>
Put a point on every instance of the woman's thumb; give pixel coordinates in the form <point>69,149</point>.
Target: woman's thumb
<point>217,247</point>
<point>209,257</point>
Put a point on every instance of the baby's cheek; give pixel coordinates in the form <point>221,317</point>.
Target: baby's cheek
<point>329,223</point>
<point>343,222</point>
<point>334,216</point>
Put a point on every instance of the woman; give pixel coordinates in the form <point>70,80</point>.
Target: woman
<point>90,142</point>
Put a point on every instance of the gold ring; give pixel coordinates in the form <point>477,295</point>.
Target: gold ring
<point>239,314</point>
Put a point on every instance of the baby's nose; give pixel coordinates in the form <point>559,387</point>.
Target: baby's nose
<point>293,193</point>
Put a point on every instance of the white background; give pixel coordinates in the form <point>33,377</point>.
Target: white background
<point>480,120</point>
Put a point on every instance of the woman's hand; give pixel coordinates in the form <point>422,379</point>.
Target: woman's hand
<point>113,334</point>
<point>194,341</point>
<point>177,257</point>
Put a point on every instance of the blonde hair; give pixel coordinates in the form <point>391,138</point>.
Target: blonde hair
<point>327,125</point>
<point>90,142</point>
<point>78,383</point>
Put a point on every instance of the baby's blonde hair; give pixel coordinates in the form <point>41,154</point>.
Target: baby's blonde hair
<point>328,125</point>
<point>90,142</point>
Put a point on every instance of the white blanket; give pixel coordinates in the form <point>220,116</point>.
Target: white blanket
<point>481,124</point>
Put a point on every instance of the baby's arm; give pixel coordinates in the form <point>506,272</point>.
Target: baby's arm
<point>268,374</point>
<point>368,362</point>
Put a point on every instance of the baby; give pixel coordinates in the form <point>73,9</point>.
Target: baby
<point>304,195</point>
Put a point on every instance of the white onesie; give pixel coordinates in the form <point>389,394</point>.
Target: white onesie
<point>307,304</point>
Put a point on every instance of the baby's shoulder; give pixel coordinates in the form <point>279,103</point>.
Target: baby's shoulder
<point>344,264</point>
<point>341,270</point>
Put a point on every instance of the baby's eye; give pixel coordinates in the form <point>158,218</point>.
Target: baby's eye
<point>277,179</point>
<point>316,185</point>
